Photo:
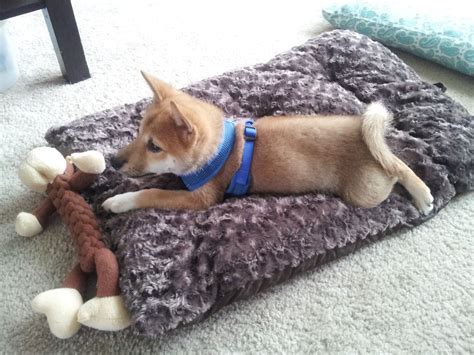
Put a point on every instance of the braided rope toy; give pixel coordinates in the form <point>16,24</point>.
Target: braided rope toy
<point>46,170</point>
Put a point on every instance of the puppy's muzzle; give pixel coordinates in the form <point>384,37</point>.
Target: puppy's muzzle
<point>117,162</point>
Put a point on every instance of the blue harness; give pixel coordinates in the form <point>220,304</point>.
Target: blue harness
<point>240,183</point>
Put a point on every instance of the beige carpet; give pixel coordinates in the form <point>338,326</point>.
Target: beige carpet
<point>410,293</point>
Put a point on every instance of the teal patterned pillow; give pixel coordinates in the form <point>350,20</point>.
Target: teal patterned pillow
<point>437,36</point>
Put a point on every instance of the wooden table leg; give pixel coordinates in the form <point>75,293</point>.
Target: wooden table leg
<point>64,34</point>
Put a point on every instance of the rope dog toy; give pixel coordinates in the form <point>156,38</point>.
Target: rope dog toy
<point>46,170</point>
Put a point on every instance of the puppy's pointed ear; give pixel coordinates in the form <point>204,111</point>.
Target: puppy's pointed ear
<point>185,130</point>
<point>160,88</point>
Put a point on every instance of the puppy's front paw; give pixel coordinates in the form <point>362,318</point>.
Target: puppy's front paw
<point>121,203</point>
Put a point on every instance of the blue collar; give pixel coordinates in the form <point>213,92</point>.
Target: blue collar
<point>200,177</point>
<point>240,183</point>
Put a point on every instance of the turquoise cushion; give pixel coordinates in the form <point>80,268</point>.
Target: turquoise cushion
<point>437,36</point>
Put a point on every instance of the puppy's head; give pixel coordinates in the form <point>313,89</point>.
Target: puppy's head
<point>176,135</point>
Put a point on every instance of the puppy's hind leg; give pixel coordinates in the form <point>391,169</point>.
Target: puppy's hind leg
<point>421,193</point>
<point>368,186</point>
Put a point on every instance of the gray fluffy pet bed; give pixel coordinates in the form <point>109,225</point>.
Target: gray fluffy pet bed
<point>179,267</point>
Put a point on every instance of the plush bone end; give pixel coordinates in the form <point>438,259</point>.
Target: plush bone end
<point>60,306</point>
<point>91,162</point>
<point>104,313</point>
<point>27,225</point>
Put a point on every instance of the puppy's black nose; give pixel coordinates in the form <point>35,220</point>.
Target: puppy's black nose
<point>117,162</point>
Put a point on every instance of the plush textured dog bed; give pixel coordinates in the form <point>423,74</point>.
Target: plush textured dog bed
<point>179,267</point>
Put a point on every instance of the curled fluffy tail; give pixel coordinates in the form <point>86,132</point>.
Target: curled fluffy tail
<point>376,120</point>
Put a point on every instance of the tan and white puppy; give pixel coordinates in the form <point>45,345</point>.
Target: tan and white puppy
<point>343,155</point>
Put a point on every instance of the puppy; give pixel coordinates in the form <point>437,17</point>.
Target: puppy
<point>342,155</point>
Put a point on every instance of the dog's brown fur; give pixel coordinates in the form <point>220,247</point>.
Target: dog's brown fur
<point>344,155</point>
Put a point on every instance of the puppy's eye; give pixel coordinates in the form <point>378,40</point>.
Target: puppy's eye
<point>152,147</point>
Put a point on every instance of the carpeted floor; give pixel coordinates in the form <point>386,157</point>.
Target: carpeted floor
<point>412,292</point>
